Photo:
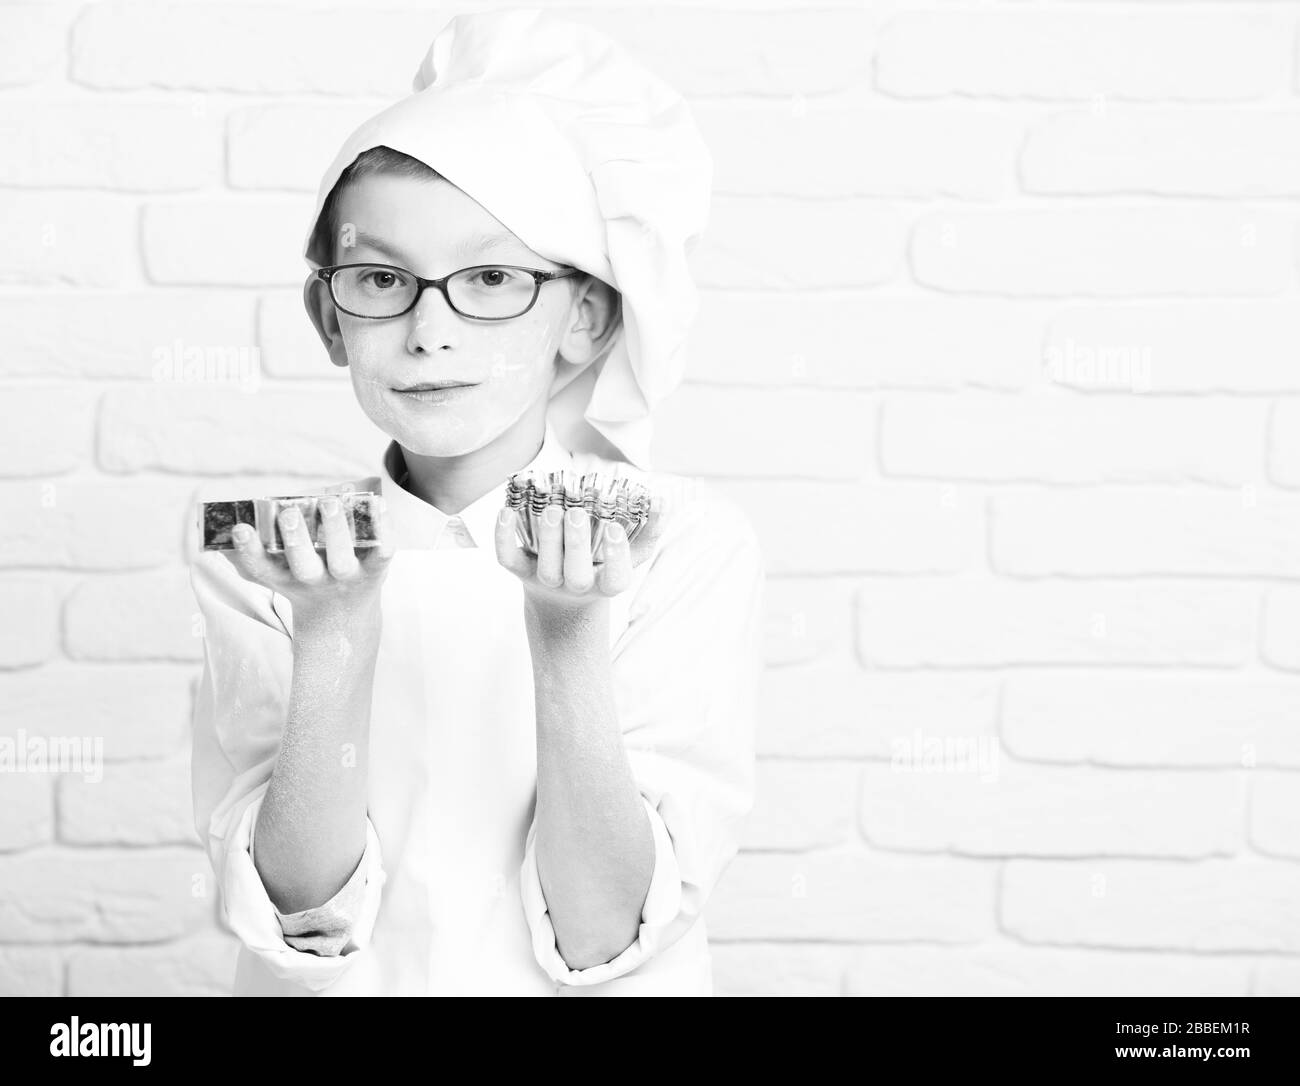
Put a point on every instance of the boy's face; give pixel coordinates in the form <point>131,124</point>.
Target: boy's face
<point>432,228</point>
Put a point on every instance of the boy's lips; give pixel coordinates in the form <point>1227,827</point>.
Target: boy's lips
<point>434,393</point>
<point>429,386</point>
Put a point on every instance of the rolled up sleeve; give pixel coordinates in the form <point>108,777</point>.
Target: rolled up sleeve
<point>685,683</point>
<point>239,716</point>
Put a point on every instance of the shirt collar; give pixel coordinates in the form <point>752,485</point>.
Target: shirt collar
<point>418,525</point>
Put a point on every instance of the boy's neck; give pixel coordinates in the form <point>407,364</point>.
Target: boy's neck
<point>450,483</point>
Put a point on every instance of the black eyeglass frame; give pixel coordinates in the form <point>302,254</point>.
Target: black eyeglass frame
<point>539,277</point>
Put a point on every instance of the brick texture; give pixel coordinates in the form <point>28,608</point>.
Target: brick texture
<point>997,343</point>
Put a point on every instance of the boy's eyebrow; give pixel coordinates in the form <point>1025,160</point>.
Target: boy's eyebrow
<point>478,241</point>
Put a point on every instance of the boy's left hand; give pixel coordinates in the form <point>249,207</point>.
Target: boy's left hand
<point>562,574</point>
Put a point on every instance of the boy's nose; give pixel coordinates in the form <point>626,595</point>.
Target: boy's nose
<point>432,322</point>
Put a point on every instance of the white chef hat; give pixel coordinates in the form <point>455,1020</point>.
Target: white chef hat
<point>592,161</point>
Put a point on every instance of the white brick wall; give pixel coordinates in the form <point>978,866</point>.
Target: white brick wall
<point>1001,304</point>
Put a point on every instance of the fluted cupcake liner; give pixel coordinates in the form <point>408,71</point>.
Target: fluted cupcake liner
<point>608,499</point>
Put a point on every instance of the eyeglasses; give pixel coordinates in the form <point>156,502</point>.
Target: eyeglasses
<point>486,292</point>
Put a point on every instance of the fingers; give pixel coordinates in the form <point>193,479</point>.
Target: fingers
<point>564,560</point>
<point>509,553</point>
<point>550,547</point>
<point>579,576</point>
<point>250,558</point>
<point>300,560</point>
<point>615,574</point>
<point>304,562</point>
<point>340,550</point>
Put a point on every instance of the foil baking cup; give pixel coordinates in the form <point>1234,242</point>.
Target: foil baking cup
<point>608,499</point>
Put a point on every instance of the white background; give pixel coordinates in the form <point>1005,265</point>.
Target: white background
<point>999,345</point>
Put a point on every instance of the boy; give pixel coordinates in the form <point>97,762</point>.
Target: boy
<point>442,765</point>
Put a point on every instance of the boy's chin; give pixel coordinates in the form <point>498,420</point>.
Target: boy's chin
<point>444,436</point>
<point>450,443</point>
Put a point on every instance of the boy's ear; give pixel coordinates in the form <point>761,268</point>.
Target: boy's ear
<point>598,315</point>
<point>324,318</point>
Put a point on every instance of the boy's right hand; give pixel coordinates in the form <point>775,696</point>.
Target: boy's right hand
<point>346,582</point>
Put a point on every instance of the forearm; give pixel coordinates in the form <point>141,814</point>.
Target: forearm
<point>595,848</point>
<point>310,832</point>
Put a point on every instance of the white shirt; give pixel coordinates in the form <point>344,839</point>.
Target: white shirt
<point>449,900</point>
